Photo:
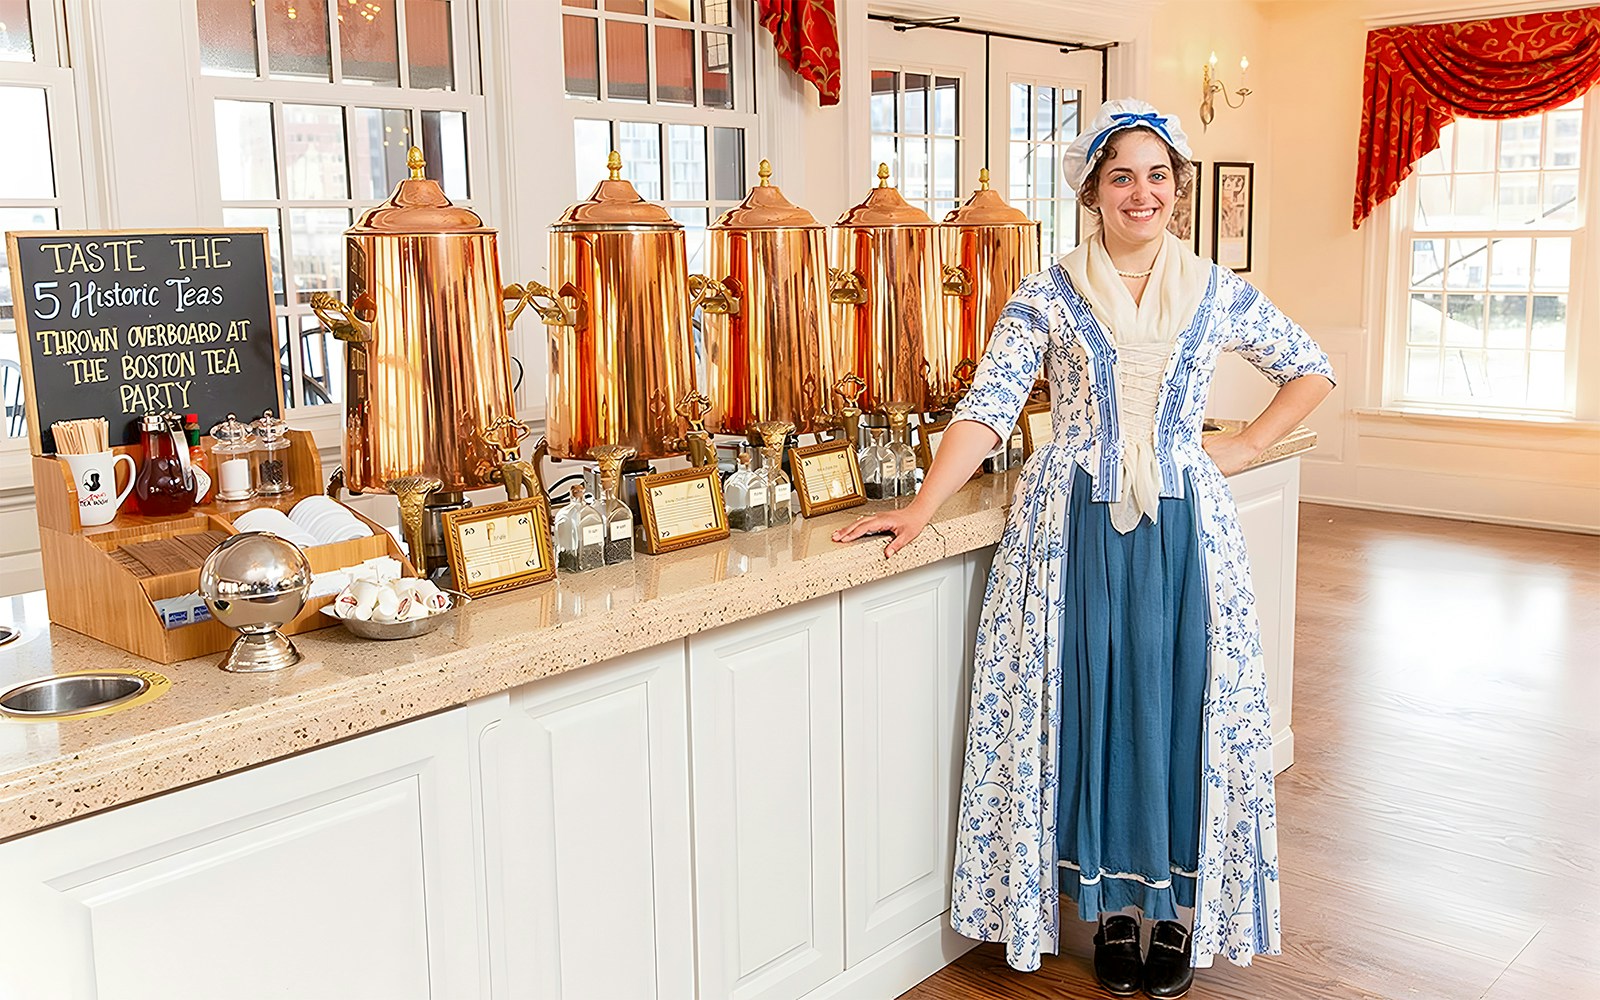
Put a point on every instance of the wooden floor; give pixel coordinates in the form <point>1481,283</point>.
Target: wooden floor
<point>1440,829</point>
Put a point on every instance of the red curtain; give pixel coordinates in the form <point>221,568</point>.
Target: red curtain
<point>806,35</point>
<point>1421,77</point>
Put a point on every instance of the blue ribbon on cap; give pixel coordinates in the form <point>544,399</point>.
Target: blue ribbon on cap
<point>1128,119</point>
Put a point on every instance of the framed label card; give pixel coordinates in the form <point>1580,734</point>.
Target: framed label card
<point>1038,427</point>
<point>827,477</point>
<point>681,508</point>
<point>499,547</point>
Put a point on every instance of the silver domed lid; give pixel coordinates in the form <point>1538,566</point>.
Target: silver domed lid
<point>254,565</point>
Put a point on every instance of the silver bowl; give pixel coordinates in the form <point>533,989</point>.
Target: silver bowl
<point>401,630</point>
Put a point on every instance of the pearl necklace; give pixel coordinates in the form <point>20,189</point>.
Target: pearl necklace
<point>1137,274</point>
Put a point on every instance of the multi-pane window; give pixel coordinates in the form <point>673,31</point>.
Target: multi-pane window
<point>1494,227</point>
<point>1043,122</point>
<point>665,83</point>
<point>315,104</point>
<point>916,130</point>
<point>38,179</point>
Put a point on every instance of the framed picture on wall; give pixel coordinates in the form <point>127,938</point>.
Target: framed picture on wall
<point>1185,222</point>
<point>1232,214</point>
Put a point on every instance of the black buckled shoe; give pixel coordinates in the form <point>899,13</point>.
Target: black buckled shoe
<point>1116,955</point>
<point>1168,973</point>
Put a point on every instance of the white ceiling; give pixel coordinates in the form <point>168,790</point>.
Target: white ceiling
<point>1067,20</point>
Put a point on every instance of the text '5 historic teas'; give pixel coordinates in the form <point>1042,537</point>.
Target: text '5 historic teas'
<point>117,324</point>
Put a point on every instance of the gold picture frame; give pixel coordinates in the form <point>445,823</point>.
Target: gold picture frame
<point>523,554</point>
<point>681,508</point>
<point>1038,427</point>
<point>827,477</point>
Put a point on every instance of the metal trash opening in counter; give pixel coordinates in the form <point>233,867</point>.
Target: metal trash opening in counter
<point>81,695</point>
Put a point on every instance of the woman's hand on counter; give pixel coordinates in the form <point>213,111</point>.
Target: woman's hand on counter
<point>1230,451</point>
<point>904,524</point>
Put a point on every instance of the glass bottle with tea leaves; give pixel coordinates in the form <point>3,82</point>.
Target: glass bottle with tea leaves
<point>899,448</point>
<point>880,473</point>
<point>745,494</point>
<point>580,535</point>
<point>608,502</point>
<point>780,491</point>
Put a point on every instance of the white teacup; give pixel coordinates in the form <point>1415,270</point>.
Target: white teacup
<point>95,475</point>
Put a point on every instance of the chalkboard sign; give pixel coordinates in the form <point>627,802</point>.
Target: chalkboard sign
<point>120,323</point>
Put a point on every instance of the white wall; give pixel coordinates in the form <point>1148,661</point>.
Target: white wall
<point>1518,472</point>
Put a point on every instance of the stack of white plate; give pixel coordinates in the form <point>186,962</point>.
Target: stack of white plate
<point>315,520</point>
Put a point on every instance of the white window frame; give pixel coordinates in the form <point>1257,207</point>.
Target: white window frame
<point>932,203</point>
<point>1064,196</point>
<point>741,116</point>
<point>51,72</point>
<point>1389,250</point>
<point>326,420</point>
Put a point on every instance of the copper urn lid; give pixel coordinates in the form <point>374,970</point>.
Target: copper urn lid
<point>986,208</point>
<point>613,204</point>
<point>884,208</point>
<point>765,207</point>
<point>417,206</point>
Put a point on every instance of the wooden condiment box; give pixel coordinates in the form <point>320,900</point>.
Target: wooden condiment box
<point>89,591</point>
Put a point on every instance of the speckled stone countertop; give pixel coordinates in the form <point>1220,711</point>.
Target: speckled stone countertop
<point>211,722</point>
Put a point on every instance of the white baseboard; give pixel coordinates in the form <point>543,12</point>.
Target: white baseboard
<point>1450,515</point>
<point>902,965</point>
<point>1282,750</point>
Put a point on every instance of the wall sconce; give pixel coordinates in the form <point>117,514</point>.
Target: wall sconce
<point>1211,85</point>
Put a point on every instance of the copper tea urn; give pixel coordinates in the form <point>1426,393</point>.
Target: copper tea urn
<point>767,355</point>
<point>988,248</point>
<point>426,361</point>
<point>887,302</point>
<point>618,308</point>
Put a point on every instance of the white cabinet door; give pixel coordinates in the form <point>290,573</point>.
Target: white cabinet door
<point>347,873</point>
<point>587,833</point>
<point>1268,498</point>
<point>764,719</point>
<point>905,653</point>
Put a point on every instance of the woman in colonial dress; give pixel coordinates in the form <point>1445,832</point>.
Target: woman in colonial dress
<point>1119,751</point>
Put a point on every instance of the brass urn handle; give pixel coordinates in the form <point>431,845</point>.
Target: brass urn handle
<point>713,296</point>
<point>961,377</point>
<point>553,308</point>
<point>956,280</point>
<point>340,319</point>
<point>845,288</point>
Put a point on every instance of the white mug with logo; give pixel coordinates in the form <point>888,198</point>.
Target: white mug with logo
<point>95,475</point>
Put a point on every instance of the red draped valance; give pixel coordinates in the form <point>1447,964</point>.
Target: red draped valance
<point>1421,77</point>
<point>806,35</point>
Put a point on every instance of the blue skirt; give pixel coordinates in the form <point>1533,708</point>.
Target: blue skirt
<point>1132,687</point>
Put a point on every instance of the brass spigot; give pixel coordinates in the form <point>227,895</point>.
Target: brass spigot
<point>610,458</point>
<point>697,442</point>
<point>773,435</point>
<point>849,390</point>
<point>413,492</point>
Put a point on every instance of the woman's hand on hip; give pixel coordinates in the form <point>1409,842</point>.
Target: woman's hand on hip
<point>1230,451</point>
<point>904,524</point>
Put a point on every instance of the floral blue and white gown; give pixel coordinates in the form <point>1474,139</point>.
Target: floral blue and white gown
<point>1005,886</point>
